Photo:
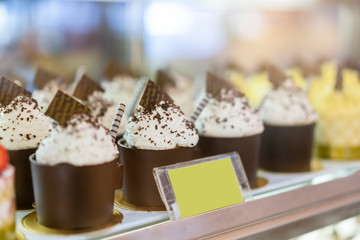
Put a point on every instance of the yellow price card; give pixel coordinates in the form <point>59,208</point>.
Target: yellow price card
<point>205,186</point>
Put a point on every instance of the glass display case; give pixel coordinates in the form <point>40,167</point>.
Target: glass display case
<point>194,37</point>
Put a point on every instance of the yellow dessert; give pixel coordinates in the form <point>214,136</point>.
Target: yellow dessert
<point>298,77</point>
<point>236,78</point>
<point>338,128</point>
<point>256,87</point>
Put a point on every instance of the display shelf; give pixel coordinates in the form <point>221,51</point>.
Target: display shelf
<point>287,206</point>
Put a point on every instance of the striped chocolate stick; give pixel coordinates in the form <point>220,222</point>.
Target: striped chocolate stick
<point>117,120</point>
<point>200,107</point>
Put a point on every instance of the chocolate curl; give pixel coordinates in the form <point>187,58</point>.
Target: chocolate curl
<point>137,93</point>
<point>200,108</point>
<point>117,120</point>
<point>339,79</point>
<point>85,87</point>
<point>42,77</point>
<point>214,84</point>
<point>276,77</point>
<point>153,94</point>
<point>163,78</point>
<point>63,107</point>
<point>10,90</point>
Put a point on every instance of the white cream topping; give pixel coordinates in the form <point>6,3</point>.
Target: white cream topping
<point>105,110</point>
<point>83,141</point>
<point>165,127</point>
<point>22,124</point>
<point>287,105</point>
<point>45,96</point>
<point>120,89</point>
<point>229,115</point>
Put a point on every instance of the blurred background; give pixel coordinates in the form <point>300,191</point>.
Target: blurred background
<point>190,36</point>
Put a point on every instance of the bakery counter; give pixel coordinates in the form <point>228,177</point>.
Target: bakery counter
<point>284,206</point>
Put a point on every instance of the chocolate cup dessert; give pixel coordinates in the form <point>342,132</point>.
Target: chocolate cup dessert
<point>139,186</point>
<point>247,147</point>
<point>75,197</point>
<point>23,182</point>
<point>287,148</point>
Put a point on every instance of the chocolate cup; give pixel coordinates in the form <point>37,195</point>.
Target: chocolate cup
<point>23,182</point>
<point>74,197</point>
<point>139,186</point>
<point>247,147</point>
<point>287,148</point>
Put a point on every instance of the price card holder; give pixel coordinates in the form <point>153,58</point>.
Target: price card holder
<point>202,185</point>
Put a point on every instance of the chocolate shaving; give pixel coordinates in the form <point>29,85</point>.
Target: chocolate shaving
<point>85,87</point>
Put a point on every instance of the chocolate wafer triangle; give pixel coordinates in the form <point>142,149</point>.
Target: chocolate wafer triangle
<point>10,90</point>
<point>276,77</point>
<point>152,95</point>
<point>214,84</point>
<point>42,77</point>
<point>63,107</point>
<point>163,78</point>
<point>113,69</point>
<point>85,87</point>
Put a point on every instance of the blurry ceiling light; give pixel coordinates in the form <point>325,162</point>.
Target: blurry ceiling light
<point>167,18</point>
<point>248,25</point>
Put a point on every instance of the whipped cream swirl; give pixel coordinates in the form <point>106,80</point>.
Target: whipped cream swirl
<point>22,124</point>
<point>287,105</point>
<point>82,141</point>
<point>164,127</point>
<point>229,115</point>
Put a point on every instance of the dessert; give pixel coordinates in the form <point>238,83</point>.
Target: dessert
<point>254,86</point>
<point>119,84</point>
<point>337,132</point>
<point>22,127</point>
<point>47,84</point>
<point>7,198</point>
<point>228,123</point>
<point>179,87</point>
<point>157,134</point>
<point>289,122</point>
<point>92,95</point>
<point>104,109</point>
<point>76,168</point>
<point>46,94</point>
